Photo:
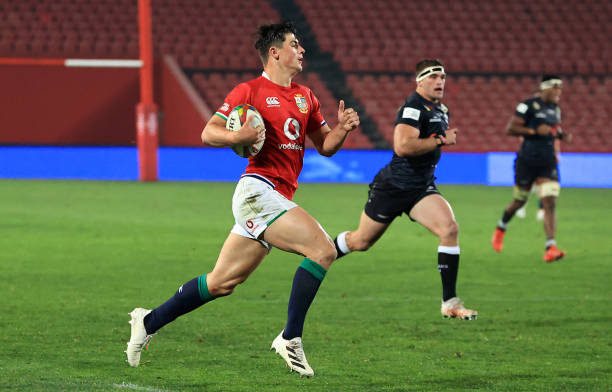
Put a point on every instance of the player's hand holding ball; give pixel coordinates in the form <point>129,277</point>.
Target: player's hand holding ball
<point>347,118</point>
<point>249,130</point>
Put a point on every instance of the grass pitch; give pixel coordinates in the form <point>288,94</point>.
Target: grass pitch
<point>76,257</point>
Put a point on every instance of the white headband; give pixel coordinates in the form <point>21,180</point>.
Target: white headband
<point>550,83</point>
<point>429,70</point>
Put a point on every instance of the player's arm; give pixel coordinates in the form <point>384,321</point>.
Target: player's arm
<point>406,141</point>
<point>328,141</point>
<point>216,135</point>
<point>516,127</point>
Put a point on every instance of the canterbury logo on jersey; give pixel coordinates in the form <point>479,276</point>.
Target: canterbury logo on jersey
<point>272,101</point>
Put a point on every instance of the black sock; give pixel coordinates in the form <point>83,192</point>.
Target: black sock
<point>306,282</point>
<point>448,265</point>
<point>506,217</point>
<point>188,297</point>
<point>340,253</point>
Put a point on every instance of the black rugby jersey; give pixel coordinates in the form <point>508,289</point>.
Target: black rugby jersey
<point>536,112</point>
<point>417,171</point>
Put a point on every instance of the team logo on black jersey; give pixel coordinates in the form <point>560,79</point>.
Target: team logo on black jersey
<point>536,105</point>
<point>300,100</point>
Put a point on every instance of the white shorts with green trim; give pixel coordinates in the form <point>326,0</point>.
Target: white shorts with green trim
<point>256,205</point>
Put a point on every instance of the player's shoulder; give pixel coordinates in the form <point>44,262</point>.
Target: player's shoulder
<point>252,84</point>
<point>414,101</point>
<point>302,89</point>
<point>531,103</point>
<point>413,109</point>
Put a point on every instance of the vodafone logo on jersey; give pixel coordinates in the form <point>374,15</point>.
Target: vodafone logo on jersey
<point>292,131</point>
<point>272,102</point>
<point>292,128</point>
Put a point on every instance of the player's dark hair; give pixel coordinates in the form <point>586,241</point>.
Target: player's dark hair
<point>421,65</point>
<point>272,35</point>
<point>549,77</point>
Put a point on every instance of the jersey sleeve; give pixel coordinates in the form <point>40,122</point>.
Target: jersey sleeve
<point>316,120</point>
<point>238,96</point>
<point>410,114</point>
<point>524,110</point>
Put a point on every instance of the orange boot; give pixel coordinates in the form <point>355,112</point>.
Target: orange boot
<point>553,254</point>
<point>498,239</point>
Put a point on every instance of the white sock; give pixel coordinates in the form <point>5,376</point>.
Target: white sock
<point>550,242</point>
<point>449,250</point>
<point>502,225</point>
<point>341,239</point>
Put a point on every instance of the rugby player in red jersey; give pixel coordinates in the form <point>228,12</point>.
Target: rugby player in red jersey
<point>264,213</point>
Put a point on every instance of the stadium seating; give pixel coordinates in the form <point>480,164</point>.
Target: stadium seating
<point>524,36</point>
<point>492,63</point>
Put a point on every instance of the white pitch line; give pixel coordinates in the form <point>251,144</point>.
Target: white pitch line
<point>127,385</point>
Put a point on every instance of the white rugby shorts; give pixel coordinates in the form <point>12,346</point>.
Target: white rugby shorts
<point>256,205</point>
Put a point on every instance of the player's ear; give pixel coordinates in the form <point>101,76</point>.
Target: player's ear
<point>274,52</point>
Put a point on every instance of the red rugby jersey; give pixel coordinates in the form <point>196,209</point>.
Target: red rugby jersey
<point>289,113</point>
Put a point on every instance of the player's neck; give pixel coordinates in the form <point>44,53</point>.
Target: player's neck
<point>430,99</point>
<point>278,76</point>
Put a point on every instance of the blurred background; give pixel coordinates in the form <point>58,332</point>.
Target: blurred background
<point>363,52</point>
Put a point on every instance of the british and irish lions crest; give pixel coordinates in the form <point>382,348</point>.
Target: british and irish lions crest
<point>302,105</point>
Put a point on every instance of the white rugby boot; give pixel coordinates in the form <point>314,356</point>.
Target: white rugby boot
<point>454,308</point>
<point>522,212</point>
<point>139,337</point>
<point>292,352</point>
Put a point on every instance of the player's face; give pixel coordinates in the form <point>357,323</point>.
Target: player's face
<point>552,94</point>
<point>433,86</point>
<point>292,53</point>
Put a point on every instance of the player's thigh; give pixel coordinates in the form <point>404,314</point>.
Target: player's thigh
<point>435,214</point>
<point>238,258</point>
<point>369,230</point>
<point>524,174</point>
<point>297,231</point>
<point>549,189</point>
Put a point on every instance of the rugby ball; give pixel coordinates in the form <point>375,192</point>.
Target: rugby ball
<point>236,119</point>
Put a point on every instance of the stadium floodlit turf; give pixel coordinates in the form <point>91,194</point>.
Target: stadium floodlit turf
<point>76,257</point>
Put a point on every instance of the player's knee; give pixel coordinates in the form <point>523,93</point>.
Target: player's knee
<point>450,231</point>
<point>324,255</point>
<point>520,194</point>
<point>549,203</point>
<point>223,288</point>
<point>516,204</point>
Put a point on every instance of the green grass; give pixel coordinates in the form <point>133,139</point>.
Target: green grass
<point>76,257</point>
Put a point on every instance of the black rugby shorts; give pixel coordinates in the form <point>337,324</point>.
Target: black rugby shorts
<point>525,172</point>
<point>386,203</point>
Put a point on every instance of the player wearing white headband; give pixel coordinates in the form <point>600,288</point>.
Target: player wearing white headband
<point>406,185</point>
<point>538,121</point>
